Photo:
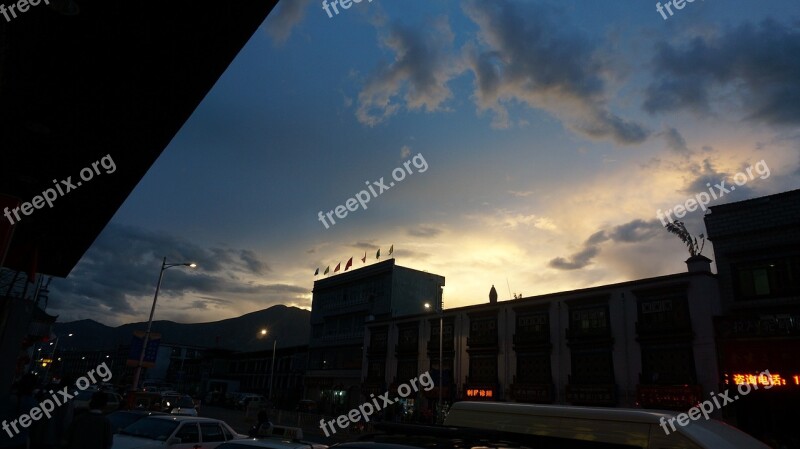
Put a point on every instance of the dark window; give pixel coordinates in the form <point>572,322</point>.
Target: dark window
<point>592,366</point>
<point>538,323</point>
<point>767,278</point>
<point>211,432</point>
<point>668,365</point>
<point>483,369</point>
<point>189,433</point>
<point>533,368</point>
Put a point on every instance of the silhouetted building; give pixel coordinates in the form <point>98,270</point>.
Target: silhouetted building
<point>757,247</point>
<point>647,342</point>
<point>341,306</point>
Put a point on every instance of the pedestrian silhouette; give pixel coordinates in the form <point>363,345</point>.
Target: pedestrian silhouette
<point>92,430</point>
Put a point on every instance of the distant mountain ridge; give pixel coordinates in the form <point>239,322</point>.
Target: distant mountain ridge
<point>290,325</point>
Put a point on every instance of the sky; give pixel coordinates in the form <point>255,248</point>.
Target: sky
<point>536,142</point>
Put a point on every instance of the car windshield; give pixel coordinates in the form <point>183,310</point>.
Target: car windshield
<point>121,420</point>
<point>85,395</point>
<point>184,402</point>
<point>152,428</point>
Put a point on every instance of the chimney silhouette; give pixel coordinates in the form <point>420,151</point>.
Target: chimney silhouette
<point>492,296</point>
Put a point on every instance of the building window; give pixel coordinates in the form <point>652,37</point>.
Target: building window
<point>483,369</point>
<point>664,312</point>
<point>668,365</point>
<point>592,366</point>
<point>768,278</point>
<point>589,321</point>
<point>533,368</point>
<point>538,323</point>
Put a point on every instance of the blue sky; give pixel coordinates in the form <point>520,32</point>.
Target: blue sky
<point>552,131</point>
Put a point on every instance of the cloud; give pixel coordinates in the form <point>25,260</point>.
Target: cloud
<point>634,231</point>
<point>524,55</point>
<point>674,140</point>
<point>405,151</point>
<point>424,231</point>
<point>576,261</point>
<point>756,66</point>
<point>504,218</point>
<point>521,194</point>
<point>282,20</point>
<point>251,260</point>
<point>365,245</point>
<point>116,278</point>
<point>416,79</point>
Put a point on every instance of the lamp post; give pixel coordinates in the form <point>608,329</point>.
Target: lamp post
<point>438,310</point>
<point>164,266</point>
<point>53,356</point>
<point>272,369</point>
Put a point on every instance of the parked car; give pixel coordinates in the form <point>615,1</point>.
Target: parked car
<point>183,405</point>
<point>81,401</point>
<point>271,443</point>
<point>306,406</point>
<point>573,426</point>
<point>144,400</point>
<point>123,418</point>
<point>175,432</point>
<point>255,399</point>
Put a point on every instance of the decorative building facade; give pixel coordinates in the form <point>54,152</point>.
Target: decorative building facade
<point>646,343</point>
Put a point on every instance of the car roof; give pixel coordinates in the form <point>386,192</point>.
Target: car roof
<point>185,418</point>
<point>275,443</point>
<point>372,445</point>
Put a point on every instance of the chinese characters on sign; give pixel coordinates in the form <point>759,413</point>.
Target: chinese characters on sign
<point>774,379</point>
<point>479,393</point>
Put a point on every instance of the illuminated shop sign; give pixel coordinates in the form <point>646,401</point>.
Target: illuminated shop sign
<point>774,379</point>
<point>479,393</point>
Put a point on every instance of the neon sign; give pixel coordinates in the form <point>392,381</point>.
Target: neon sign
<point>774,379</point>
<point>475,393</point>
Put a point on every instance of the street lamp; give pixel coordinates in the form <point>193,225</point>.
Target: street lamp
<point>53,355</point>
<point>164,266</point>
<point>272,369</point>
<point>438,310</point>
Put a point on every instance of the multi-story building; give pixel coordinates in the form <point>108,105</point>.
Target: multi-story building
<point>341,306</point>
<point>252,371</point>
<point>757,249</point>
<point>647,342</point>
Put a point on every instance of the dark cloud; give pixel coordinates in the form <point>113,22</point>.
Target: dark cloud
<point>253,263</point>
<point>632,232</point>
<point>531,56</point>
<point>284,17</point>
<point>416,79</point>
<point>122,268</point>
<point>758,66</point>
<point>674,140</point>
<point>576,261</point>
<point>424,231</point>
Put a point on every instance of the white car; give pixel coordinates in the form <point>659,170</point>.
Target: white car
<point>183,405</point>
<point>175,432</point>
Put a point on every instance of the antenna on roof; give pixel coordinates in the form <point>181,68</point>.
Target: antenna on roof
<point>509,288</point>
